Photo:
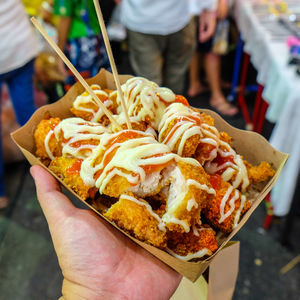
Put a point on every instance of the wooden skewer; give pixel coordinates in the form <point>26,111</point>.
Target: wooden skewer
<point>74,71</point>
<point>111,60</point>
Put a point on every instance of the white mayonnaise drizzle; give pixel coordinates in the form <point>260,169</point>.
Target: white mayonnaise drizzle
<point>232,200</point>
<point>203,187</point>
<point>191,203</point>
<point>78,130</point>
<point>177,192</point>
<point>130,155</point>
<point>236,168</point>
<point>188,257</point>
<point>144,99</point>
<point>46,144</point>
<point>239,211</point>
<point>196,230</point>
<point>85,98</point>
<point>186,123</point>
<point>161,225</point>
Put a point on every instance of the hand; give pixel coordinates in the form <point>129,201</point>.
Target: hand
<point>97,261</point>
<point>207,25</point>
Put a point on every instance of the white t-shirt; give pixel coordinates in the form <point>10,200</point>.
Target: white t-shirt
<point>18,44</point>
<point>161,17</point>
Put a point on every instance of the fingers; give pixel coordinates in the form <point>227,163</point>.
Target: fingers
<point>207,26</point>
<point>55,205</point>
<point>201,28</point>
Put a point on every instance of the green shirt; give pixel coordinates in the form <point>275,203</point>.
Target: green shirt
<point>83,14</point>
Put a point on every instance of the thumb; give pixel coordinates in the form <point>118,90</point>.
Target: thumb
<point>55,205</point>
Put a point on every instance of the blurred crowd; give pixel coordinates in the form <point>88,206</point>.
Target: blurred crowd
<point>167,41</point>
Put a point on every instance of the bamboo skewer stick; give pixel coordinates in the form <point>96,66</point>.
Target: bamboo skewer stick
<point>74,71</point>
<point>111,60</point>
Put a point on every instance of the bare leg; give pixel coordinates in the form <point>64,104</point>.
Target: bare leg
<point>212,64</point>
<point>195,87</point>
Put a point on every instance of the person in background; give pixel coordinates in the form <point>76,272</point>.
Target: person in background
<point>79,37</point>
<point>161,38</point>
<point>212,67</point>
<point>98,261</point>
<point>18,48</point>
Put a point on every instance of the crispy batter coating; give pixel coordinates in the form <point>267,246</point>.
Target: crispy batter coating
<point>209,143</point>
<point>84,106</point>
<point>68,169</point>
<point>212,212</point>
<point>207,119</point>
<point>137,218</point>
<point>204,152</point>
<point>86,115</point>
<point>259,173</point>
<point>40,134</point>
<point>225,137</point>
<point>189,243</point>
<point>190,145</point>
<point>117,185</point>
<point>186,199</point>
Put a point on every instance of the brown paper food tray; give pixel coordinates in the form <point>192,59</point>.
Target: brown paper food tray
<point>252,146</point>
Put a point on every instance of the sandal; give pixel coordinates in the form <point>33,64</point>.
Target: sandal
<point>3,202</point>
<point>225,108</point>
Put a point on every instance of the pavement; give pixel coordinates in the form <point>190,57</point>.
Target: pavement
<point>29,267</point>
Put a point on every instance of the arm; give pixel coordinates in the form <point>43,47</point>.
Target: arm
<point>207,25</point>
<point>207,19</point>
<point>63,28</point>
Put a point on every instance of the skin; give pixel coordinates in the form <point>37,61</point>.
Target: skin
<point>63,28</point>
<point>96,260</point>
<point>207,25</point>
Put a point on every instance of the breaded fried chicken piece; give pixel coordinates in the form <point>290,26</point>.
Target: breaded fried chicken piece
<point>190,144</point>
<point>180,129</point>
<point>225,210</point>
<point>117,185</point>
<point>86,108</point>
<point>187,194</point>
<point>68,169</point>
<point>41,136</point>
<point>137,217</point>
<point>225,137</point>
<point>207,119</point>
<point>199,242</point>
<point>259,173</point>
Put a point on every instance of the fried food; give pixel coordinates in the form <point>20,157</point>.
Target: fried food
<point>127,161</point>
<point>187,193</point>
<point>68,169</point>
<point>259,173</point>
<point>137,217</point>
<point>188,133</point>
<point>78,137</point>
<point>145,100</point>
<point>180,129</point>
<point>162,191</point>
<point>47,146</point>
<point>199,242</point>
<point>87,108</point>
<point>225,210</point>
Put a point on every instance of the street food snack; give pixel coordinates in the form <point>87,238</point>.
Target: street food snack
<point>85,107</point>
<point>173,181</point>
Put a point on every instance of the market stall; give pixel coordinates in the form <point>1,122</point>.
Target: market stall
<point>264,39</point>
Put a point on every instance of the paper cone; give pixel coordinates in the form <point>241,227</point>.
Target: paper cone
<point>252,146</point>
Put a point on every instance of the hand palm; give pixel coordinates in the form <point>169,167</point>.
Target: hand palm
<point>95,255</point>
